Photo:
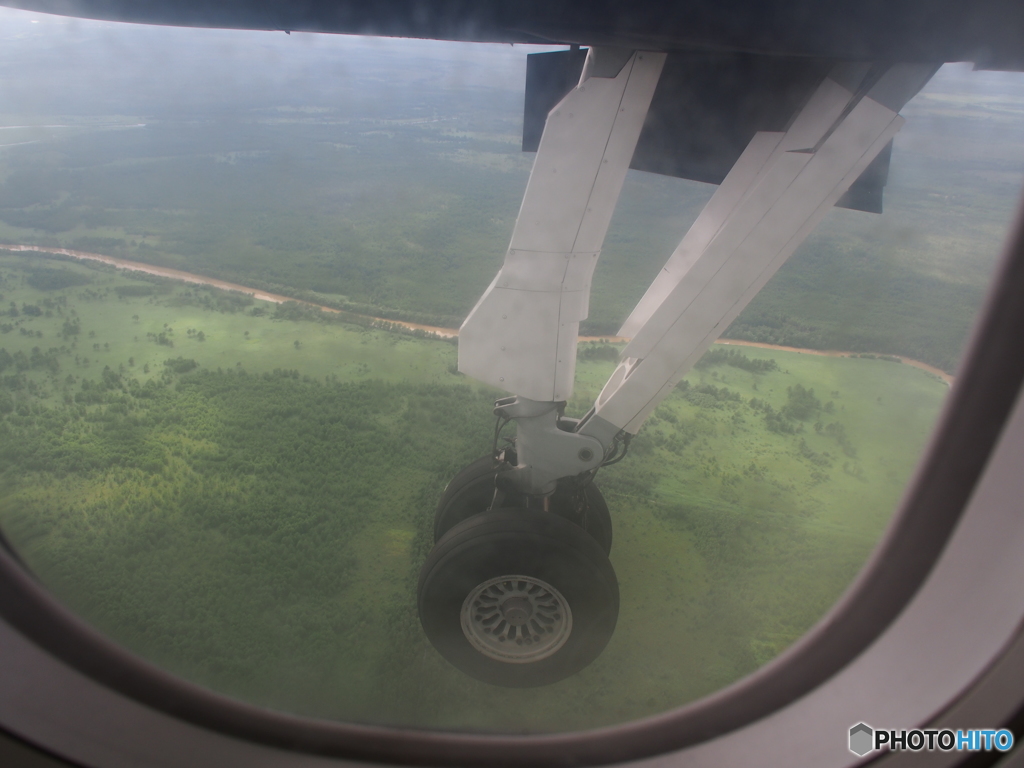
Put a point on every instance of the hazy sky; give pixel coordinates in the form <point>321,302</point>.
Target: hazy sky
<point>52,65</point>
<point>48,56</point>
<point>43,56</point>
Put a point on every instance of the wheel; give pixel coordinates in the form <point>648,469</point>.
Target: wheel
<point>585,506</point>
<point>471,491</point>
<point>518,598</point>
<point>468,493</point>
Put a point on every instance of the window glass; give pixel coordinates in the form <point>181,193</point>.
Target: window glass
<point>231,264</point>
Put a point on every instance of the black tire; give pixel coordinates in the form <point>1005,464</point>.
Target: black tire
<point>591,515</point>
<point>471,491</point>
<point>551,560</point>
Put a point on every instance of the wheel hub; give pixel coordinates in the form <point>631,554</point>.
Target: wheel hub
<point>516,610</point>
<point>516,619</point>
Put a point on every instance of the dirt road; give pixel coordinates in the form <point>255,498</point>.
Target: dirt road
<point>189,277</point>
<point>447,333</point>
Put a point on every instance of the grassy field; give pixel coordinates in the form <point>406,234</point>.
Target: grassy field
<point>124,331</point>
<point>255,522</point>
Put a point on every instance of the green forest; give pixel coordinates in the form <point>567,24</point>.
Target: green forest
<point>243,493</point>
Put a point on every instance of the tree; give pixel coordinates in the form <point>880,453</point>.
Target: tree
<point>802,404</point>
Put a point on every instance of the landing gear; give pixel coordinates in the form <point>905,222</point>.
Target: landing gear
<point>472,491</point>
<point>518,590</point>
<point>518,597</point>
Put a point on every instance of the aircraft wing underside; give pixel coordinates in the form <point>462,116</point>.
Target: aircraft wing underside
<point>986,32</point>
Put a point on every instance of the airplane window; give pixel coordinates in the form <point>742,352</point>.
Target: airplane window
<point>232,269</point>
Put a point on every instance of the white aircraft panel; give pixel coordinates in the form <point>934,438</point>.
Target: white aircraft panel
<point>618,152</point>
<point>822,112</point>
<point>728,195</point>
<point>566,167</point>
<point>791,195</point>
<point>734,311</point>
<point>741,222</point>
<point>521,335</point>
<point>511,338</point>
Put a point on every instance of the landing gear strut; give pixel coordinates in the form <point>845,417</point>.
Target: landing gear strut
<point>518,590</point>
